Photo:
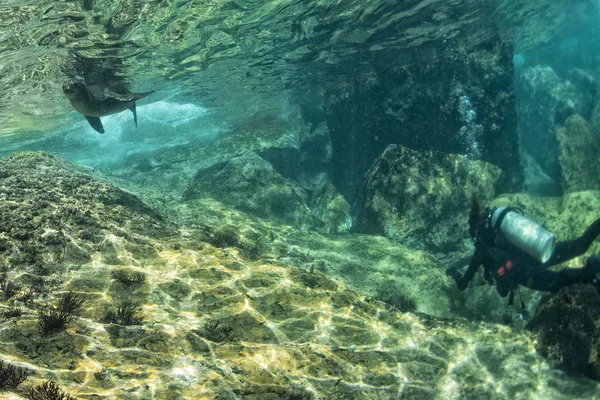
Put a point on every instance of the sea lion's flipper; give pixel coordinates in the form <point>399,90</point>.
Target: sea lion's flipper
<point>137,96</point>
<point>132,108</point>
<point>109,94</point>
<point>96,123</point>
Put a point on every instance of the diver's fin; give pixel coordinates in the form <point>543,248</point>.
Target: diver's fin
<point>592,270</point>
<point>132,108</point>
<point>95,123</point>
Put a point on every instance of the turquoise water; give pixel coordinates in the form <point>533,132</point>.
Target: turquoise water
<point>296,186</point>
<point>213,62</point>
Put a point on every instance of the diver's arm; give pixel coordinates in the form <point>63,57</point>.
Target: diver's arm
<point>569,249</point>
<point>461,262</point>
<point>463,281</point>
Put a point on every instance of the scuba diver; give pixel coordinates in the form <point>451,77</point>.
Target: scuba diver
<point>516,251</point>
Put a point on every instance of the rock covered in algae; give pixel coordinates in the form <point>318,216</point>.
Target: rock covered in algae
<point>578,154</point>
<point>567,325</point>
<point>265,133</point>
<point>546,101</point>
<point>250,183</point>
<point>52,211</point>
<point>374,265</point>
<point>333,210</point>
<point>219,325</point>
<point>422,198</point>
<point>595,115</point>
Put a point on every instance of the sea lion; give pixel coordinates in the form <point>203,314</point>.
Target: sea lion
<point>95,101</point>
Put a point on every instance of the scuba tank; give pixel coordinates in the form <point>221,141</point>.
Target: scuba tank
<point>523,233</point>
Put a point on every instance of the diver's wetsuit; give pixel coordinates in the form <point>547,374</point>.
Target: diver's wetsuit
<point>510,266</point>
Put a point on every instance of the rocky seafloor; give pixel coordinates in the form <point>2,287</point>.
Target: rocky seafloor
<point>229,306</point>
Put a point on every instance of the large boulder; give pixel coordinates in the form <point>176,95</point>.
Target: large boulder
<point>537,182</point>
<point>249,183</point>
<point>546,100</point>
<point>281,332</point>
<point>422,199</point>
<point>578,153</point>
<point>333,210</point>
<point>568,328</point>
<point>209,308</point>
<point>432,98</point>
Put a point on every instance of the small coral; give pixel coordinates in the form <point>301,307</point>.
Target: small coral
<point>217,332</point>
<point>224,237</point>
<point>9,289</point>
<point>126,314</point>
<point>55,319</point>
<point>11,312</point>
<point>399,301</point>
<point>12,376</point>
<point>70,303</point>
<point>128,277</point>
<point>48,391</point>
<point>51,320</point>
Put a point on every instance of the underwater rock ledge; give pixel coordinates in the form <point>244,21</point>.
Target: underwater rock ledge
<point>53,211</point>
<point>217,324</point>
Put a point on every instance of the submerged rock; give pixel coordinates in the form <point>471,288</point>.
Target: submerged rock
<point>422,199</point>
<point>567,325</point>
<point>578,154</point>
<point>274,138</point>
<point>331,208</point>
<point>546,100</point>
<point>537,182</point>
<point>52,211</point>
<point>249,183</point>
<point>595,116</point>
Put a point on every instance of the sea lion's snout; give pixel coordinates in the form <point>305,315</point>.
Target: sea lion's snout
<point>68,88</point>
<point>72,88</point>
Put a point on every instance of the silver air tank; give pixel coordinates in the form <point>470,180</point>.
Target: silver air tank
<point>525,234</point>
